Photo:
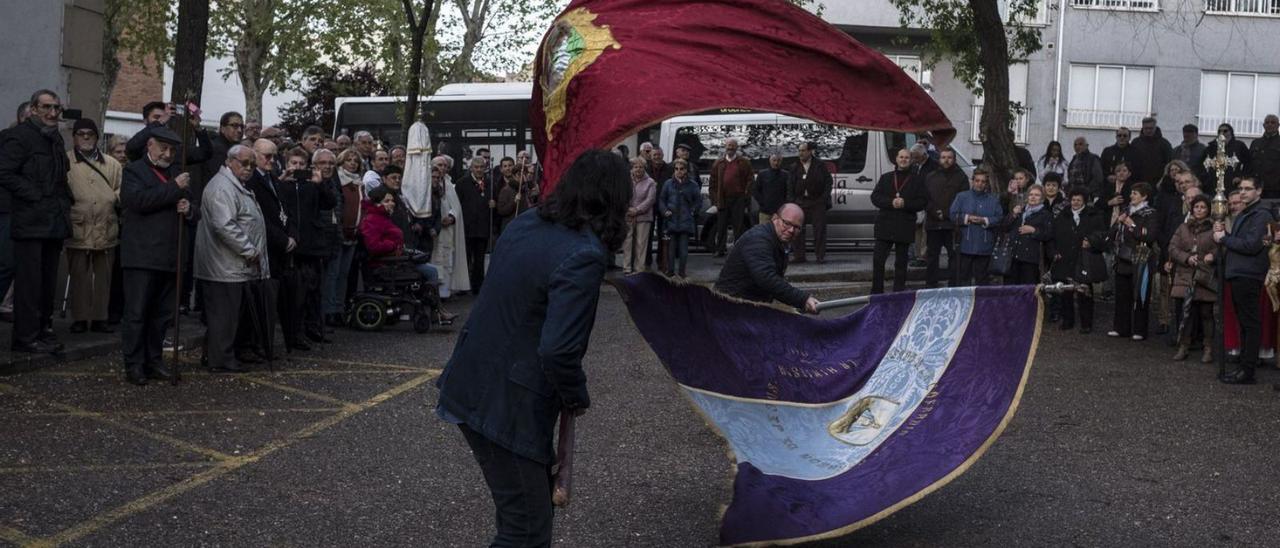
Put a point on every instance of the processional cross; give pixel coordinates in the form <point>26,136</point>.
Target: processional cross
<point>1219,163</point>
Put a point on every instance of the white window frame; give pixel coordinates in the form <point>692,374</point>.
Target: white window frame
<point>1089,118</point>
<point>924,77</point>
<point>1117,5</point>
<point>1244,127</point>
<point>1021,116</point>
<point>1041,18</point>
<point>1243,8</point>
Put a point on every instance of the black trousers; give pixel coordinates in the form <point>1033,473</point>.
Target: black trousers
<point>521,490</point>
<point>148,313</point>
<point>1132,310</point>
<point>1245,293</point>
<point>310,277</point>
<point>290,296</point>
<point>35,276</point>
<point>880,254</point>
<point>1023,273</point>
<point>476,250</point>
<point>223,310</point>
<point>972,269</point>
<point>733,210</point>
<point>1070,301</point>
<point>816,217</point>
<point>935,242</point>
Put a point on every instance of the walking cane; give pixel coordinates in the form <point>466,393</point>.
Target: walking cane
<point>177,293</point>
<point>564,461</point>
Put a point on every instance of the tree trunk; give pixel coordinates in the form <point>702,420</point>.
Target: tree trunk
<point>998,154</point>
<point>189,51</point>
<point>418,29</point>
<point>251,53</point>
<point>462,69</point>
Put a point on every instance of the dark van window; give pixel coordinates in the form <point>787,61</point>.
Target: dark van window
<point>840,145</point>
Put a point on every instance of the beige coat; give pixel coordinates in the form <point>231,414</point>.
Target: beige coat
<point>94,223</point>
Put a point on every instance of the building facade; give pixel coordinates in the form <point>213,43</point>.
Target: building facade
<point>45,47</point>
<point>1107,64</point>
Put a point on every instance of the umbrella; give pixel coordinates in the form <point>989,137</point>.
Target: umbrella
<point>416,185</point>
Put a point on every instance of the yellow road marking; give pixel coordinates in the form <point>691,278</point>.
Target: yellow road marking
<point>188,412</point>
<point>103,467</point>
<point>219,469</point>
<point>299,391</point>
<point>282,372</point>
<point>364,364</point>
<point>15,536</point>
<point>77,412</point>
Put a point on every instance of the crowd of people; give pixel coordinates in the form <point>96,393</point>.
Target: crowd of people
<point>232,209</point>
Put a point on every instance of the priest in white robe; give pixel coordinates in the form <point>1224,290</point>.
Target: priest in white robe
<point>449,255</point>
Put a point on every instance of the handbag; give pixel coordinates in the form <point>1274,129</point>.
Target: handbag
<point>1001,257</point>
<point>1091,268</point>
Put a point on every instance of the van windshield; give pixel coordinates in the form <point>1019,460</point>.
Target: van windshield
<point>845,147</point>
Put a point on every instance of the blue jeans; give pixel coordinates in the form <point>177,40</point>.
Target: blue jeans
<point>335,279</point>
<point>521,490</point>
<point>679,252</point>
<point>429,272</point>
<point>6,256</point>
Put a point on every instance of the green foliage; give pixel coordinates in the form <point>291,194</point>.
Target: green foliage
<point>324,83</point>
<point>954,37</point>
<point>274,40</point>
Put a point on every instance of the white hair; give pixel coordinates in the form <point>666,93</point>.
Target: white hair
<point>646,146</point>
<point>321,152</point>
<point>362,133</point>
<point>235,150</point>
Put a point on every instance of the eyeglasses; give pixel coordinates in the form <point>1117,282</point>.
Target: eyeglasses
<point>789,224</point>
<point>48,106</point>
<point>86,133</point>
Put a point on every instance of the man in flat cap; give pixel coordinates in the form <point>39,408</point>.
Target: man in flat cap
<point>153,192</point>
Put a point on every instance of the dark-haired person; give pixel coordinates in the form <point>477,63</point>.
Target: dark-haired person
<point>898,195</point>
<point>1265,152</point>
<point>1247,264</point>
<point>519,364</point>
<point>811,190</point>
<point>384,238</point>
<point>1134,237</point>
<point>1079,236</point>
<point>1190,150</point>
<point>1192,252</point>
<point>33,170</point>
<point>1052,161</point>
<point>1235,149</point>
<point>944,184</point>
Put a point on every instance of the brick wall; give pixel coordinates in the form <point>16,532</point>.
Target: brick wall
<point>136,86</point>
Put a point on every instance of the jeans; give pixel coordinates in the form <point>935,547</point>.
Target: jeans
<point>429,271</point>
<point>521,490</point>
<point>335,279</point>
<point>679,251</point>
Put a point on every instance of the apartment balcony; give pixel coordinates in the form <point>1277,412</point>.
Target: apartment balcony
<point>1019,126</point>
<point>1243,126</point>
<point>1120,5</point>
<point>1103,119</point>
<point>1255,8</point>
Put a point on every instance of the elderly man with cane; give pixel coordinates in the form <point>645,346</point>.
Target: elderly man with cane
<point>231,252</point>
<point>152,190</point>
<point>518,365</point>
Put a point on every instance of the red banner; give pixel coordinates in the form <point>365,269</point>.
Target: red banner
<point>608,68</point>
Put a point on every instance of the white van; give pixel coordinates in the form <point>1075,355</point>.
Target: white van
<point>855,157</point>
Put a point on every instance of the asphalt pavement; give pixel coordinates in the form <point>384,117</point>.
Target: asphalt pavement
<point>1113,445</point>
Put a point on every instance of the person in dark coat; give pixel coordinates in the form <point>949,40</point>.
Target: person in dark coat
<point>1120,152</point>
<point>311,200</point>
<point>756,266</point>
<point>1079,238</point>
<point>1134,234</point>
<point>518,361</point>
<point>152,193</point>
<point>678,203</point>
<point>1028,226</point>
<point>1265,155</point>
<point>1025,160</point>
<point>33,169</point>
<point>772,188</point>
<point>1085,169</point>
<point>282,242</point>
<point>1151,152</point>
<point>943,184</point>
<point>898,195</point>
<point>1246,269</point>
<point>476,197</point>
<point>1235,149</point>
<point>812,192</point>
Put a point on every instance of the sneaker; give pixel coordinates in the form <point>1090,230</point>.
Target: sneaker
<point>1138,337</point>
<point>168,345</point>
<point>1267,353</point>
<point>1113,333</point>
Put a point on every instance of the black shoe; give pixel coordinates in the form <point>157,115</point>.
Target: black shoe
<point>79,327</point>
<point>1066,327</point>
<point>159,373</point>
<point>333,320</point>
<point>47,336</point>
<point>1086,330</point>
<point>300,345</point>
<point>1239,376</point>
<point>317,337</point>
<point>139,380</point>
<point>248,357</point>
<point>101,327</point>
<point>38,347</point>
<point>184,310</point>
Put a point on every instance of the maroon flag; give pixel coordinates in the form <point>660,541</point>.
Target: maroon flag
<point>609,68</point>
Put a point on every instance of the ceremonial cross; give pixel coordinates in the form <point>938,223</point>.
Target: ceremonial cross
<point>1219,163</point>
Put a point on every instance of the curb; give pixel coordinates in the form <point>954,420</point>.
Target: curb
<point>26,363</point>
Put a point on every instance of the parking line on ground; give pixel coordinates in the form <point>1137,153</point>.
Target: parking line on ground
<point>190,412</point>
<point>365,364</point>
<point>104,418</point>
<point>219,469</point>
<point>102,467</point>
<point>298,391</point>
<point>15,536</point>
